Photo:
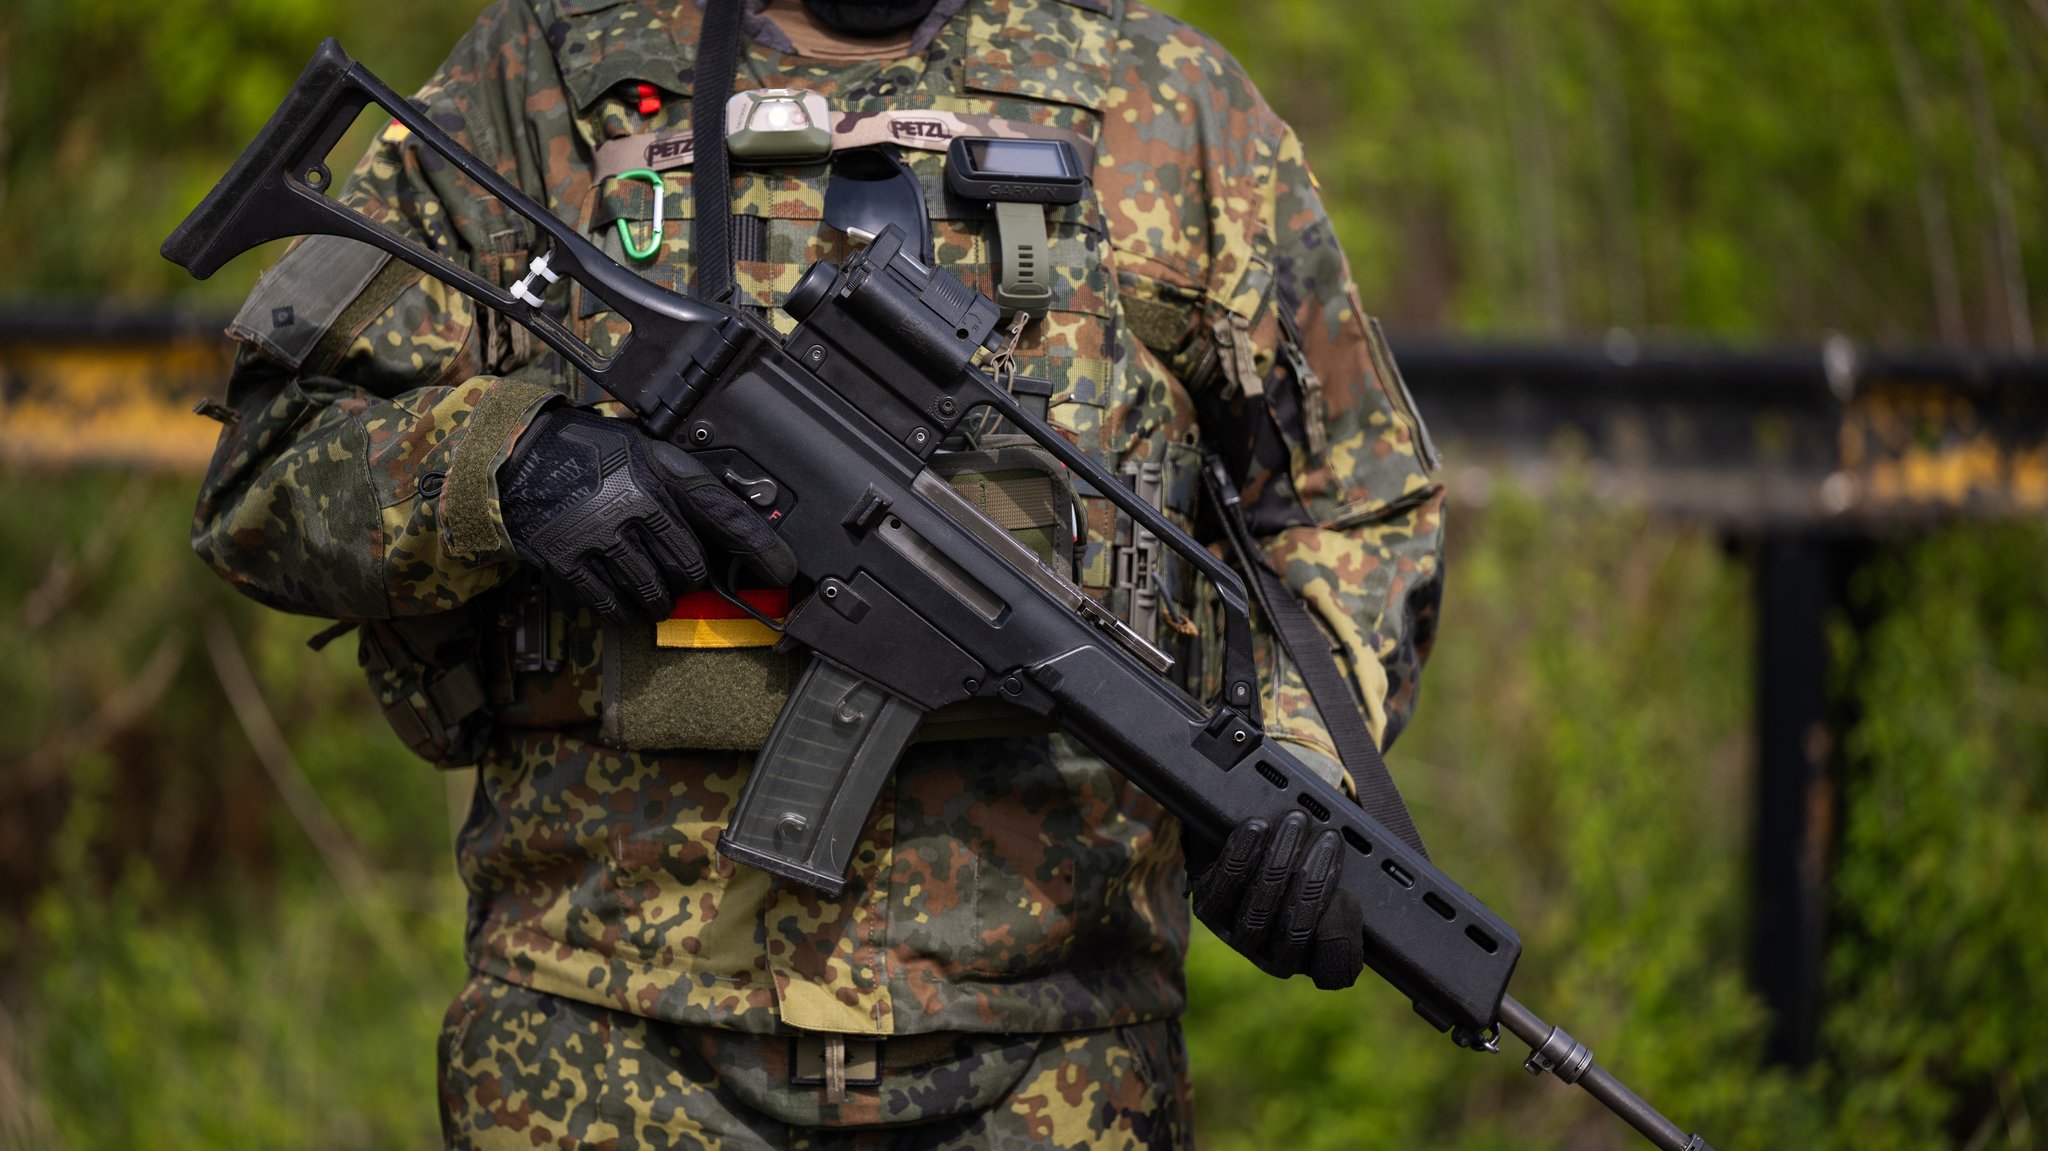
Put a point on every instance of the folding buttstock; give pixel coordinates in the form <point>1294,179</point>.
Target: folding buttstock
<point>272,190</point>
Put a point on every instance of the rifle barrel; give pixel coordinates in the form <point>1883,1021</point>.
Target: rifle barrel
<point>1550,1049</point>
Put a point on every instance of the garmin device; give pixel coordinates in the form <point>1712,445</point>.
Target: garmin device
<point>1005,171</point>
<point>1018,178</point>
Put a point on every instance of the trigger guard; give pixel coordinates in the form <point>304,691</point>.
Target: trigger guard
<point>726,592</point>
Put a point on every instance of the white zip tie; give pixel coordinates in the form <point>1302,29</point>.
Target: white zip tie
<point>523,290</point>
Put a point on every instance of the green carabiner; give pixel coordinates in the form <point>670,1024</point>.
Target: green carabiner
<point>626,234</point>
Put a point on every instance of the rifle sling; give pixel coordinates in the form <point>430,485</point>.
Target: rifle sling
<point>718,52</point>
<point>1305,645</point>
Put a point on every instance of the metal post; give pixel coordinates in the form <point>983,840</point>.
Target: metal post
<point>1796,586</point>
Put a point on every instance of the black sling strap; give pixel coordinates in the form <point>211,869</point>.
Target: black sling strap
<point>1311,655</point>
<point>718,54</point>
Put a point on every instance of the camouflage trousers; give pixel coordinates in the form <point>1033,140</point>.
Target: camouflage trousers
<point>524,1069</point>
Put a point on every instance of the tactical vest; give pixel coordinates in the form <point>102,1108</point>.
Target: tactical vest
<point>1031,62</point>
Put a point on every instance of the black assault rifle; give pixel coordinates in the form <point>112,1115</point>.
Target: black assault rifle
<point>914,598</point>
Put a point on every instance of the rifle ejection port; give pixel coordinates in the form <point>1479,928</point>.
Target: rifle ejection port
<point>949,576</point>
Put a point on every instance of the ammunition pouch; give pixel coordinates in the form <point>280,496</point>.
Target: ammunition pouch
<point>427,675</point>
<point>1021,487</point>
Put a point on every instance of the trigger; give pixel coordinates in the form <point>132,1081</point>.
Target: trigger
<point>762,493</point>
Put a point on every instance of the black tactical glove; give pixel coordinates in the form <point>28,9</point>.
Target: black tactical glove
<point>617,515</point>
<point>1270,894</point>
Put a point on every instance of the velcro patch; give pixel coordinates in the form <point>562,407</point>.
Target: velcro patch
<point>299,298</point>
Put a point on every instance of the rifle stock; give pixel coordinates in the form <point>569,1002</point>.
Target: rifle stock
<point>915,600</point>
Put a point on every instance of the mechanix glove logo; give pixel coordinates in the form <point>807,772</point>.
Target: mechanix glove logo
<point>623,519</point>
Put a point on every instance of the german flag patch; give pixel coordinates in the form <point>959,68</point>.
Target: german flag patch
<point>705,619</point>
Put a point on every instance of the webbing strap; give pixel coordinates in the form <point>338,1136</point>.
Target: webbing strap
<point>718,53</point>
<point>1305,645</point>
<point>923,129</point>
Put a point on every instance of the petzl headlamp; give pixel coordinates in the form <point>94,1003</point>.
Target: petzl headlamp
<point>778,126</point>
<point>1018,178</point>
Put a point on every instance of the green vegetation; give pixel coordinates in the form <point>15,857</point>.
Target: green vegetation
<point>188,960</point>
<point>187,969</point>
<point>1735,167</point>
<point>118,116</point>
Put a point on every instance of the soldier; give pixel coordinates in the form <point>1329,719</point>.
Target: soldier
<point>1004,967</point>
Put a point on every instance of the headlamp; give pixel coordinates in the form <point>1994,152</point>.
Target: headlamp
<point>778,126</point>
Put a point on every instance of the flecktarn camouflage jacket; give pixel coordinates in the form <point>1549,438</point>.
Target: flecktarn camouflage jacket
<point>1011,884</point>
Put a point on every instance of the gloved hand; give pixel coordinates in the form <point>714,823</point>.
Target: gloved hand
<point>1270,894</point>
<point>616,515</point>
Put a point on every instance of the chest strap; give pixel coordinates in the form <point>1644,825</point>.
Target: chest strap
<point>927,131</point>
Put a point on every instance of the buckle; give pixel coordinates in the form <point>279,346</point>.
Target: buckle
<point>1134,559</point>
<point>835,1063</point>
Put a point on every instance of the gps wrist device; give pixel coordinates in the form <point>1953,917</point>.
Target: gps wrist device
<point>1019,178</point>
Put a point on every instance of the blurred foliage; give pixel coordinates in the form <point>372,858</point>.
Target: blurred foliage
<point>1938,938</point>
<point>1736,167</point>
<point>1739,167</point>
<point>117,116</point>
<point>180,966</point>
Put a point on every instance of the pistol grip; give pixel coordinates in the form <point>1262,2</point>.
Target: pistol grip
<point>818,777</point>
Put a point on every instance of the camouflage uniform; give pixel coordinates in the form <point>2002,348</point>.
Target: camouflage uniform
<point>1004,888</point>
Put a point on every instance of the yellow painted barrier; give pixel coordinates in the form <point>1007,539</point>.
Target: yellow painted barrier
<point>1896,450</point>
<point>71,401</point>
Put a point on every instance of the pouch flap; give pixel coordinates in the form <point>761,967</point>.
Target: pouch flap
<point>602,44</point>
<point>298,299</point>
<point>1041,50</point>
